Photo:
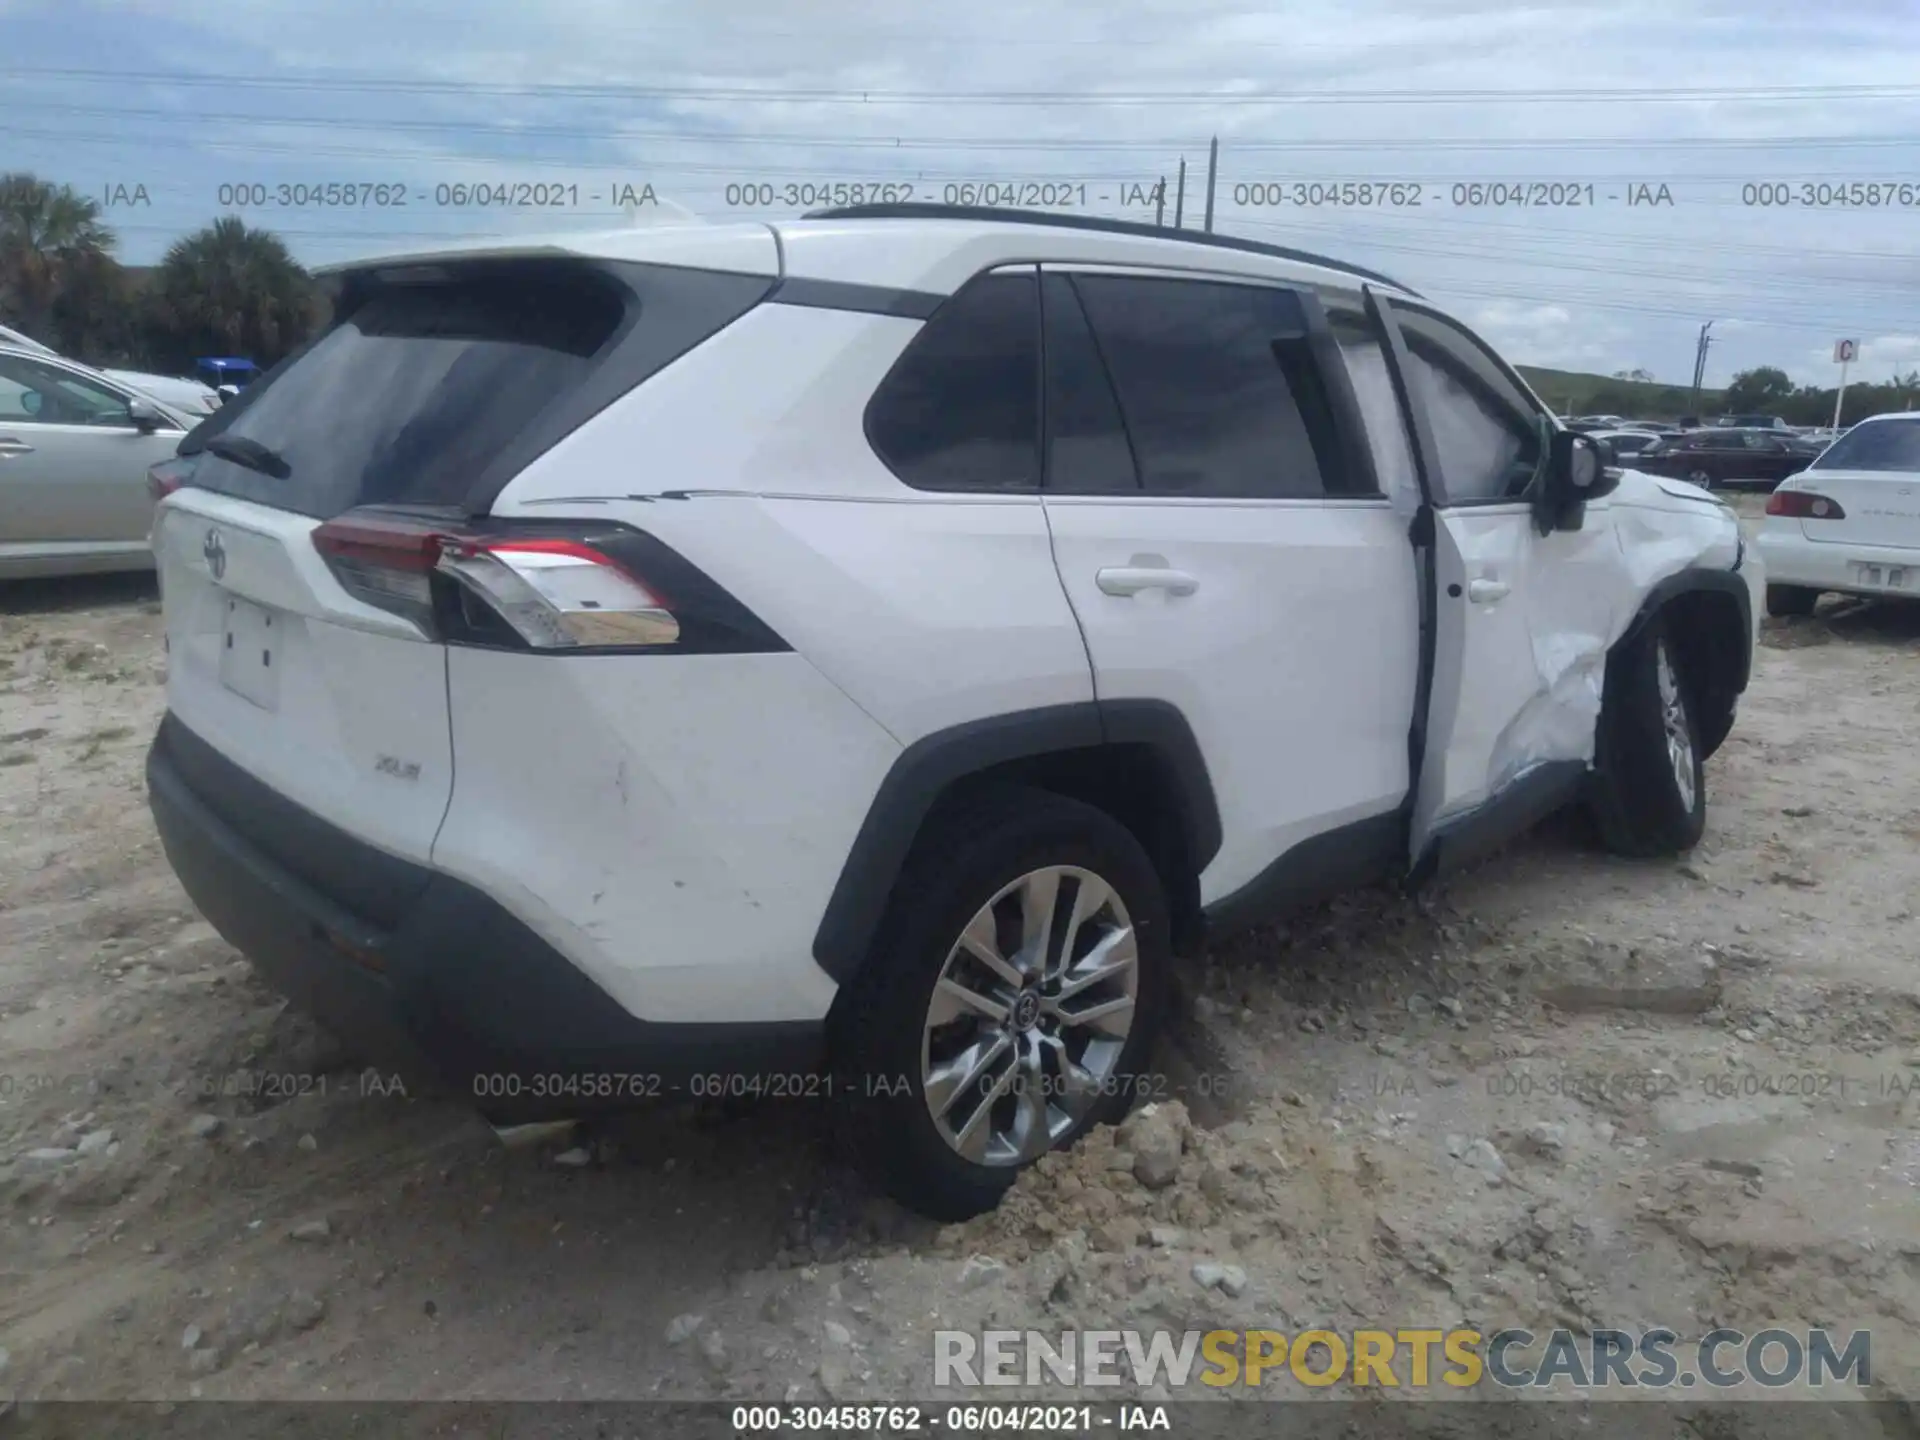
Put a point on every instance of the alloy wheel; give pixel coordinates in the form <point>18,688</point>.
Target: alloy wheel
<point>1030,1016</point>
<point>1673,720</point>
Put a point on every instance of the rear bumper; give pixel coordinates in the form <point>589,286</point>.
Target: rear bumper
<point>1792,559</point>
<point>450,987</point>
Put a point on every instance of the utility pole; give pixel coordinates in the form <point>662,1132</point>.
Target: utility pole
<point>1180,195</point>
<point>1700,365</point>
<point>1844,353</point>
<point>1213,168</point>
<point>1160,203</point>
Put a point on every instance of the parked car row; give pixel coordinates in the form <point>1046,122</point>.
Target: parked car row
<point>1593,424</point>
<point>1714,456</point>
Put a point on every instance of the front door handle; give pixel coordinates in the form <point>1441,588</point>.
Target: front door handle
<point>1482,592</point>
<point>1132,579</point>
<point>10,446</point>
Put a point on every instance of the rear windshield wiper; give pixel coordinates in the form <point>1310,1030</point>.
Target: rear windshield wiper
<point>250,453</point>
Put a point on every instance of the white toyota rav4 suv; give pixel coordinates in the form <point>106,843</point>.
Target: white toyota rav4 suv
<point>858,654</point>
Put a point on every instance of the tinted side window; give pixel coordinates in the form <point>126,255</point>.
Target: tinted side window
<point>1489,435</point>
<point>1087,448</point>
<point>960,410</point>
<point>1221,393</point>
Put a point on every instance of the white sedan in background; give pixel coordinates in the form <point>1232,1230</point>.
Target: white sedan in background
<point>189,397</point>
<point>1850,522</point>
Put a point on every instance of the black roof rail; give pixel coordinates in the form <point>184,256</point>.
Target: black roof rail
<point>927,211</point>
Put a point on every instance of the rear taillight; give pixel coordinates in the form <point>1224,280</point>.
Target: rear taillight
<point>1804,505</point>
<point>385,563</point>
<point>561,594</point>
<point>168,476</point>
<point>547,587</point>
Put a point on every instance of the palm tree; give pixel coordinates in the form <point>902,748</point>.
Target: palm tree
<point>48,233</point>
<point>229,290</point>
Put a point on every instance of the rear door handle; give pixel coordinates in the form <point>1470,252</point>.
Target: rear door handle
<point>1132,579</point>
<point>11,446</point>
<point>1482,592</point>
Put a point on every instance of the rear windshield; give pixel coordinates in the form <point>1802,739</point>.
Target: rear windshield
<point>1883,445</point>
<point>426,392</point>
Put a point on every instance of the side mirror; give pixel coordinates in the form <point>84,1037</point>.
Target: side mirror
<point>228,394</point>
<point>33,402</point>
<point>145,418</point>
<point>1578,470</point>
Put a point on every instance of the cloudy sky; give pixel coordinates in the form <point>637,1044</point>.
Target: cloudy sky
<point>1711,113</point>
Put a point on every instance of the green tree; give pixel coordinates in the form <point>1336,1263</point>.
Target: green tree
<point>229,290</point>
<point>48,233</point>
<point>95,316</point>
<point>1759,391</point>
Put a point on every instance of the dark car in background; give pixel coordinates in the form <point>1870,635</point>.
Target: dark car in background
<point>1626,444</point>
<point>1725,456</point>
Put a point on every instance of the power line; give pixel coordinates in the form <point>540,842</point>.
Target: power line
<point>361,84</point>
<point>1827,30</point>
<point>1236,145</point>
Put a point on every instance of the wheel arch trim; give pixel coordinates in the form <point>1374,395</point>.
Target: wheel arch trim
<point>1696,580</point>
<point>929,767</point>
<point>1728,670</point>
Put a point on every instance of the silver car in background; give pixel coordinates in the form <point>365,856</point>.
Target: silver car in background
<point>175,392</point>
<point>75,447</point>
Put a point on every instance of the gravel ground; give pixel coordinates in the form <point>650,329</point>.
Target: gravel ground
<point>1563,1090</point>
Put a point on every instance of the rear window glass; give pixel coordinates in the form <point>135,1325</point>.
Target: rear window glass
<point>1883,445</point>
<point>407,399</point>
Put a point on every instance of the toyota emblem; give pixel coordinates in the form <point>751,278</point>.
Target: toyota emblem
<point>216,554</point>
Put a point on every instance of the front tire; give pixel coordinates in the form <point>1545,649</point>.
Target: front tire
<point>1649,794</point>
<point>1791,600</point>
<point>1010,1001</point>
<point>1701,478</point>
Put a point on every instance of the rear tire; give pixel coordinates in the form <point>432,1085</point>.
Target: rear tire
<point>1702,479</point>
<point>973,875</point>
<point>1649,794</point>
<point>1791,600</point>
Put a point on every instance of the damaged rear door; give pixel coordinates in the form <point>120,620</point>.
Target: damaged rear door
<point>1522,620</point>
